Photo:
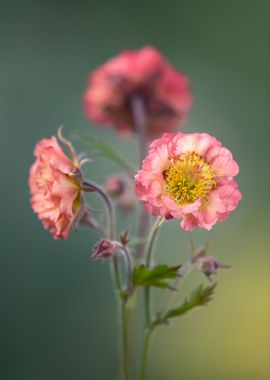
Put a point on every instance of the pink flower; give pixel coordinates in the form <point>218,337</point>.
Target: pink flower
<point>144,73</point>
<point>190,177</point>
<point>55,185</point>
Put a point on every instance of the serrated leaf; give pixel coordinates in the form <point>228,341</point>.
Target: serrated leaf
<point>158,276</point>
<point>199,297</point>
<point>106,150</point>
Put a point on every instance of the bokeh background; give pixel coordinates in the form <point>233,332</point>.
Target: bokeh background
<point>58,317</point>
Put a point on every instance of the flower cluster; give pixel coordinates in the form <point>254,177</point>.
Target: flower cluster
<point>185,176</point>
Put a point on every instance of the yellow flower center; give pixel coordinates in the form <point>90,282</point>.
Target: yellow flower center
<point>188,178</point>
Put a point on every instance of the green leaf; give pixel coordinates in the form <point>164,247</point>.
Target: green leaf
<point>106,150</point>
<point>199,297</point>
<point>158,276</point>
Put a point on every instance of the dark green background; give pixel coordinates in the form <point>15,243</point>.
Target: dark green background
<point>58,318</point>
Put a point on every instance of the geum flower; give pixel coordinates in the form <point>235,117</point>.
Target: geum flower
<point>56,187</point>
<point>190,177</point>
<point>143,73</point>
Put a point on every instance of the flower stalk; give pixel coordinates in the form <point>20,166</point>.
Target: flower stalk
<point>91,186</point>
<point>139,117</point>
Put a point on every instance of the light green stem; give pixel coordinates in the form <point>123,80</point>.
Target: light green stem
<point>148,254</point>
<point>124,328</point>
<point>147,337</point>
<point>149,249</point>
<point>90,186</point>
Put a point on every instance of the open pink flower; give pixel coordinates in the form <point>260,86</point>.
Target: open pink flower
<point>144,73</point>
<point>55,185</point>
<point>190,177</point>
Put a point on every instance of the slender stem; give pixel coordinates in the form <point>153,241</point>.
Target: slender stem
<point>90,186</point>
<point>147,337</point>
<point>124,328</point>
<point>139,115</point>
<point>184,272</point>
<point>129,266</point>
<point>138,111</point>
<point>148,255</point>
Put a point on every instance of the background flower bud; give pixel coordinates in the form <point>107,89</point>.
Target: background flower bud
<point>126,202</point>
<point>114,186</point>
<point>209,265</point>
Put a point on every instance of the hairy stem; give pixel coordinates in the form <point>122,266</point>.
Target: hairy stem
<point>149,326</point>
<point>93,187</point>
<point>90,186</point>
<point>129,267</point>
<point>148,255</point>
<point>145,351</point>
<point>124,333</point>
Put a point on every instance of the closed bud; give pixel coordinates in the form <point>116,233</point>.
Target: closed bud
<point>126,202</point>
<point>104,249</point>
<point>115,186</point>
<point>209,265</point>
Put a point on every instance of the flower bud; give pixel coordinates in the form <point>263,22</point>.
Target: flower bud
<point>209,265</point>
<point>126,202</point>
<point>104,249</point>
<point>114,186</point>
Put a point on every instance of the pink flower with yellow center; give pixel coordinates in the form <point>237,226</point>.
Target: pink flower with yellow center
<point>143,73</point>
<point>56,188</point>
<point>190,177</point>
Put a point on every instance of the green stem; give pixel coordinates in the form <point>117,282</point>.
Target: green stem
<point>149,249</point>
<point>147,337</point>
<point>90,186</point>
<point>124,328</point>
<point>93,187</point>
<point>129,267</point>
<point>148,254</point>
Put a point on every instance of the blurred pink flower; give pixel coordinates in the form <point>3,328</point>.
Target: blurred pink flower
<point>190,177</point>
<point>145,73</point>
<point>55,185</point>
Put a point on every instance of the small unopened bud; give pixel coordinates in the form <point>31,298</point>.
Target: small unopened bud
<point>209,265</point>
<point>115,186</point>
<point>104,249</point>
<point>126,202</point>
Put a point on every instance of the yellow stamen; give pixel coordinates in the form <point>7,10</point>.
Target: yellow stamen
<point>188,178</point>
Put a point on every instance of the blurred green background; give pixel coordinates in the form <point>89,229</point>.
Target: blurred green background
<point>58,317</point>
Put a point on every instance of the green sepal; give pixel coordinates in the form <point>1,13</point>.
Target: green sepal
<point>158,276</point>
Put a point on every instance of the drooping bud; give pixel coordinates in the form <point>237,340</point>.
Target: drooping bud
<point>104,249</point>
<point>209,265</point>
